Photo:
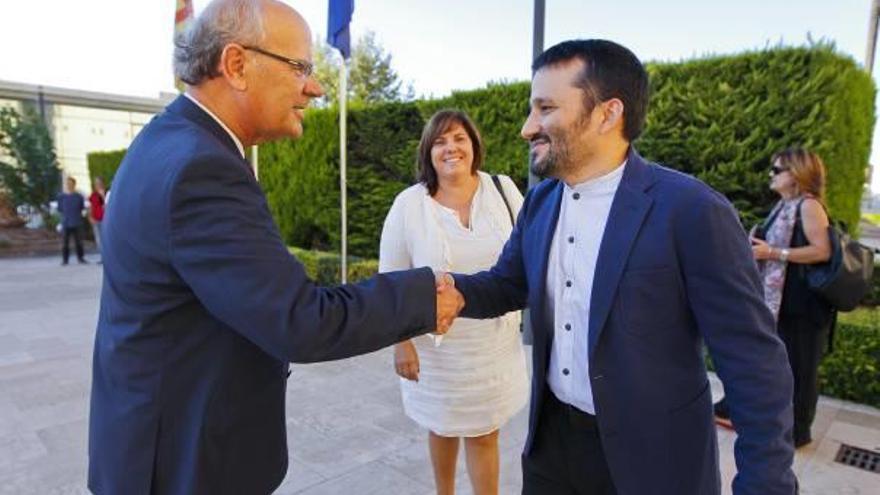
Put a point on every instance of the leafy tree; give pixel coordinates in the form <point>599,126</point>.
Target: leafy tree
<point>29,171</point>
<point>371,79</point>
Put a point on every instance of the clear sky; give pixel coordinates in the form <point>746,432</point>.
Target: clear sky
<point>124,46</point>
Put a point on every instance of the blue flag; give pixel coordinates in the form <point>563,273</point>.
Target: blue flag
<point>338,20</point>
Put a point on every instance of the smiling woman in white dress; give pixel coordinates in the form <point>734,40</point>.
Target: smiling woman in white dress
<point>473,380</point>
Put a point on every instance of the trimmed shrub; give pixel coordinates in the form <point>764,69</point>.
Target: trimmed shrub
<point>719,118</point>
<point>852,371</point>
<point>722,118</point>
<point>873,297</point>
<point>302,182</point>
<point>104,164</point>
<point>499,111</point>
<point>324,268</point>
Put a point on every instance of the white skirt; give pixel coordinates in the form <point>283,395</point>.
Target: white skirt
<point>473,382</point>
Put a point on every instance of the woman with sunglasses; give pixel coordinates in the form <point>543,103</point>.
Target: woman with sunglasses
<point>795,235</point>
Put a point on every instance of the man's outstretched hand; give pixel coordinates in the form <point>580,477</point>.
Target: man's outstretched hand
<point>449,302</point>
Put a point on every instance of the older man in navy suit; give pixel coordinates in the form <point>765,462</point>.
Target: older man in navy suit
<point>202,306</point>
<point>628,267</point>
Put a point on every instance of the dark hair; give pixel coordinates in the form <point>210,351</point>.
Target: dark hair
<point>610,71</point>
<point>439,123</point>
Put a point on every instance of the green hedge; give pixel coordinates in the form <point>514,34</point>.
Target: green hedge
<point>873,297</point>
<point>104,164</point>
<point>499,111</point>
<point>324,268</point>
<point>301,178</point>
<point>719,118</point>
<point>852,371</point>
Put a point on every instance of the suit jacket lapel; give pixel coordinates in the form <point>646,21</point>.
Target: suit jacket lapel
<point>628,211</point>
<point>187,109</point>
<point>548,217</point>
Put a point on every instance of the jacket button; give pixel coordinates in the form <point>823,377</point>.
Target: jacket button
<point>565,371</point>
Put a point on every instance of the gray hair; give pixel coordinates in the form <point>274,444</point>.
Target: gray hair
<point>197,49</point>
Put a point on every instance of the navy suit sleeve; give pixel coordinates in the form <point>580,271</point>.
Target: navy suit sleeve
<point>225,246</point>
<point>726,300</point>
<point>502,288</point>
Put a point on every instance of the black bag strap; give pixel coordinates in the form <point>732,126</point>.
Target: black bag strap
<point>771,217</point>
<point>497,182</point>
<point>799,223</point>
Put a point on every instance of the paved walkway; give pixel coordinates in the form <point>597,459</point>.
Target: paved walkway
<point>346,430</point>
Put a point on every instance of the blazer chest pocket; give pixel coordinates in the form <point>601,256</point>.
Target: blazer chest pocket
<point>650,300</point>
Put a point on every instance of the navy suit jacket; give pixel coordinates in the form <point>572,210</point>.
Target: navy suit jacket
<point>202,309</point>
<point>674,269</point>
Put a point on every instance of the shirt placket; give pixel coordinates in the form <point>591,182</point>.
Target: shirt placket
<point>568,303</point>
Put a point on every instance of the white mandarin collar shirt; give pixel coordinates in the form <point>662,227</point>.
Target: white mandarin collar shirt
<point>570,270</point>
<point>231,134</point>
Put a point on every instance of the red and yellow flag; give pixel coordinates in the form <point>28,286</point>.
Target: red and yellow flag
<point>183,14</point>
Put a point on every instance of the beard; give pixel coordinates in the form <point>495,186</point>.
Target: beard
<point>559,160</point>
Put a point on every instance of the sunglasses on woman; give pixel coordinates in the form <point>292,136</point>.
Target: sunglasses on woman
<point>776,170</point>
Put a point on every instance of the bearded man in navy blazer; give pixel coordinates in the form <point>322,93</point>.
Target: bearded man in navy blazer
<point>628,267</point>
<point>202,307</point>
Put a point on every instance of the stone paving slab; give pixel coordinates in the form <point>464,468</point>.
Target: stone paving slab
<point>347,433</point>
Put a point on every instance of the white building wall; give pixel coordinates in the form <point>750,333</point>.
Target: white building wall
<point>79,131</point>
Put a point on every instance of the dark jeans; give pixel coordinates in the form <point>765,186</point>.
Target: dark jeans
<point>805,341</point>
<point>77,239</point>
<point>566,456</point>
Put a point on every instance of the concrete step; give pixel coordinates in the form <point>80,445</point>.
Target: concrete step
<point>22,242</point>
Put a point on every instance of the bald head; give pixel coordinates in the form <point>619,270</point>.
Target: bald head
<point>250,63</point>
<point>284,26</point>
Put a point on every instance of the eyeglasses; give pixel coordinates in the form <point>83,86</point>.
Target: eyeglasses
<point>776,170</point>
<point>302,67</point>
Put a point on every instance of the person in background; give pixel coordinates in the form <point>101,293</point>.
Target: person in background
<point>71,205</point>
<point>96,209</point>
<point>467,386</point>
<point>793,236</point>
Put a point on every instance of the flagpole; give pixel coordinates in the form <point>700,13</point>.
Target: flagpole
<point>343,92</point>
<point>537,49</point>
<point>339,14</point>
<point>874,17</point>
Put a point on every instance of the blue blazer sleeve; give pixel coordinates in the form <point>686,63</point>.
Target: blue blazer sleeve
<point>725,296</point>
<point>502,288</point>
<point>225,246</point>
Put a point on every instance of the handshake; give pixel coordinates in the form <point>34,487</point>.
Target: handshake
<point>449,302</point>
